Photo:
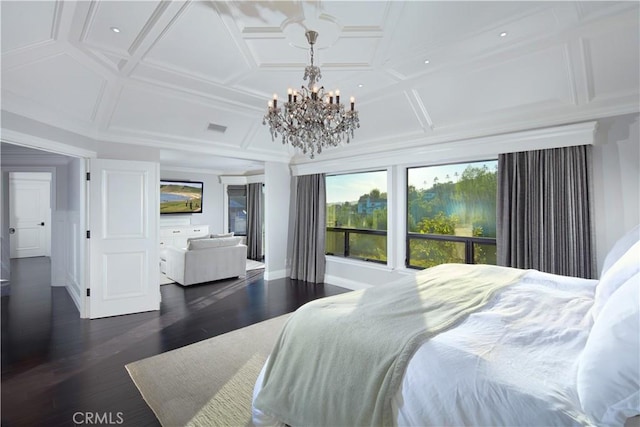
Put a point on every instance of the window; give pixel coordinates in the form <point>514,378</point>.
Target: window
<point>237,209</point>
<point>451,214</point>
<point>357,216</point>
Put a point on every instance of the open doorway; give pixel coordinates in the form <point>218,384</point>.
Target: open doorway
<point>43,217</point>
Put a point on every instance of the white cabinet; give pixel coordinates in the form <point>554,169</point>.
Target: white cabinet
<point>177,236</point>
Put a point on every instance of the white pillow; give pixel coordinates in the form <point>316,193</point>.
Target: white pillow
<point>213,243</point>
<point>608,379</point>
<point>620,247</point>
<point>615,276</point>
<point>197,238</point>
<point>215,236</point>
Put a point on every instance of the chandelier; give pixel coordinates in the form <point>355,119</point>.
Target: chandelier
<point>311,118</point>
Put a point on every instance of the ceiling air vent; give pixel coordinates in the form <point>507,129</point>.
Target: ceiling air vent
<point>216,128</point>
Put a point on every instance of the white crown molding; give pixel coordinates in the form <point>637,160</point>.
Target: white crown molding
<point>191,145</point>
<point>233,180</point>
<point>44,159</point>
<point>476,129</point>
<point>468,149</point>
<point>241,180</point>
<point>255,179</point>
<point>30,141</point>
<point>189,170</point>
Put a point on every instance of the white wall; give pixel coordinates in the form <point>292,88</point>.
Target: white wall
<point>616,173</point>
<point>68,240</point>
<point>59,227</point>
<point>212,203</point>
<point>277,197</point>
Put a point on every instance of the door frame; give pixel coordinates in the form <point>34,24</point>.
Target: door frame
<point>29,141</point>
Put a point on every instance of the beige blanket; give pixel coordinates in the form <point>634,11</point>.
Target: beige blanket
<point>340,360</point>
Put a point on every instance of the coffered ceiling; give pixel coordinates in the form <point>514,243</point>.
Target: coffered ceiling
<point>422,72</point>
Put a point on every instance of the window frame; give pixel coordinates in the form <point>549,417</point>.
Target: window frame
<point>234,187</point>
<point>348,230</point>
<point>469,241</point>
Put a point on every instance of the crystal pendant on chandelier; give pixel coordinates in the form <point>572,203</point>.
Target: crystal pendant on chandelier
<point>312,119</point>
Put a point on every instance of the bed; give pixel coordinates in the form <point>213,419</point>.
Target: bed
<point>537,349</point>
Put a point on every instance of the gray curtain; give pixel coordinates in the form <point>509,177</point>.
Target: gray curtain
<point>254,221</point>
<point>308,260</point>
<point>544,215</point>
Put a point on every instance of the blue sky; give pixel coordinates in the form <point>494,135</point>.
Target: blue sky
<point>349,188</point>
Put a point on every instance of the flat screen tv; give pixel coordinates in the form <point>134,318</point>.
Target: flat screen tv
<point>180,197</point>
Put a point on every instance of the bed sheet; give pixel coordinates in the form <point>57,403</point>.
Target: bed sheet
<point>512,363</point>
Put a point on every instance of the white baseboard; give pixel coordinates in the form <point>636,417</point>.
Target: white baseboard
<point>273,275</point>
<point>74,291</point>
<point>346,283</point>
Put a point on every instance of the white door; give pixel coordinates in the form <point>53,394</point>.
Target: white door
<point>29,214</point>
<point>123,243</point>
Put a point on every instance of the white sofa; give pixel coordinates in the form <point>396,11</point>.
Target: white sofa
<point>205,260</point>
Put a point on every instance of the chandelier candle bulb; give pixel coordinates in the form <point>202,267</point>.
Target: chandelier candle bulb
<point>337,97</point>
<point>275,100</point>
<point>353,101</point>
<point>289,93</point>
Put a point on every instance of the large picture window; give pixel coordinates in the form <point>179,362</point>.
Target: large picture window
<point>451,214</point>
<point>237,209</point>
<point>357,216</point>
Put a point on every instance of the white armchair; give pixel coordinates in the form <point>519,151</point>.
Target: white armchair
<point>206,260</point>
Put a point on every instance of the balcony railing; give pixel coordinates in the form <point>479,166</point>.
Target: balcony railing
<point>358,243</point>
<point>371,245</point>
<point>427,250</point>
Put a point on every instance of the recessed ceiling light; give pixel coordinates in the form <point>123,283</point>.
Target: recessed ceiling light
<point>503,34</point>
<point>115,29</point>
<point>426,61</point>
<point>360,85</point>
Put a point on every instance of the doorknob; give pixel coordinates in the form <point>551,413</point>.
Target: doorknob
<point>42,223</point>
<point>12,230</point>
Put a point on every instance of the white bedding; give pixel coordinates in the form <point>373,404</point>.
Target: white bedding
<point>512,363</point>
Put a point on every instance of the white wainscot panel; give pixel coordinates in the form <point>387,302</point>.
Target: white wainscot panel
<point>125,211</point>
<point>536,80</point>
<point>124,275</point>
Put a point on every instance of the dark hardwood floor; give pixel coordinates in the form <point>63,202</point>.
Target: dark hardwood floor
<point>58,368</point>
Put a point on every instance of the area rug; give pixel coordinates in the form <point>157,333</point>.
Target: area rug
<point>209,383</point>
